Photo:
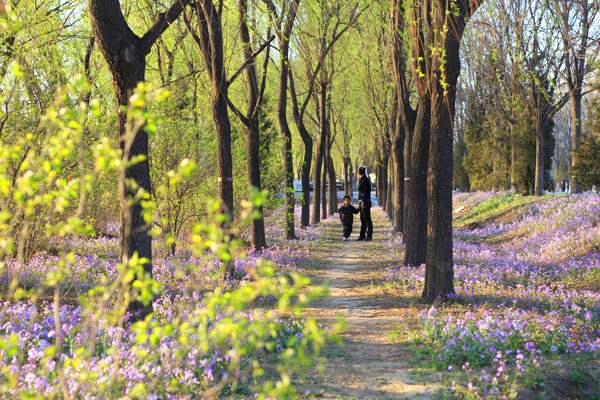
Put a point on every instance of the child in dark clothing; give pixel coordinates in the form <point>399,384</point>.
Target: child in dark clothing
<point>346,211</point>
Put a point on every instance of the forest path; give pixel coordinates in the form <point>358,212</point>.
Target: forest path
<point>367,365</point>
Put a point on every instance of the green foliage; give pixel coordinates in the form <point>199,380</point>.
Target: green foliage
<point>42,181</point>
<point>271,163</point>
<point>587,157</point>
<point>587,165</point>
<point>181,169</point>
<point>245,349</point>
<point>489,145</point>
<point>526,154</point>
<point>494,204</point>
<point>487,142</point>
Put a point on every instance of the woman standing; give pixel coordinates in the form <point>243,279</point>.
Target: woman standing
<point>364,201</point>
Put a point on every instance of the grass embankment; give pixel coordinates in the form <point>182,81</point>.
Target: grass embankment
<point>526,319</point>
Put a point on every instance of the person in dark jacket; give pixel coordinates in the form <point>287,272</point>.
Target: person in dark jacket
<point>346,216</point>
<point>364,201</point>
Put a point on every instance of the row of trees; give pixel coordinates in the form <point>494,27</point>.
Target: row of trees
<point>218,59</point>
<point>346,83</point>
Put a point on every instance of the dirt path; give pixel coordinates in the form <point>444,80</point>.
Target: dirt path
<point>367,365</point>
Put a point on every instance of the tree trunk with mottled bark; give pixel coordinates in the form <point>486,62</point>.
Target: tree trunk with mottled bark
<point>445,69</point>
<point>415,186</point>
<point>125,54</point>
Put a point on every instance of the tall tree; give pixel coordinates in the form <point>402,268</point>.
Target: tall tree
<point>411,140</point>
<point>250,120</point>
<point>284,25</point>
<point>209,38</point>
<point>125,54</point>
<point>308,152</point>
<point>325,39</point>
<point>496,82</point>
<point>449,20</point>
<point>538,55</point>
<point>576,19</point>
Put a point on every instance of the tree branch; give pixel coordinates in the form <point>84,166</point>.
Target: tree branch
<point>237,112</point>
<point>161,22</point>
<point>249,60</point>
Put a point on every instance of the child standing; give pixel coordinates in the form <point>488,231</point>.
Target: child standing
<point>346,211</point>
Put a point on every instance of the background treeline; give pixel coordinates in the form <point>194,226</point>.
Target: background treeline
<point>530,79</point>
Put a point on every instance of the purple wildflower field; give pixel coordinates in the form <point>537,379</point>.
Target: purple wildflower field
<point>200,340</point>
<point>527,297</point>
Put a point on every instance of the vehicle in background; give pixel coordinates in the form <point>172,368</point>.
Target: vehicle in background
<point>298,186</point>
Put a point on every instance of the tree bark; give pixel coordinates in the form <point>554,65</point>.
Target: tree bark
<point>576,98</point>
<point>576,64</point>
<point>308,154</point>
<point>257,226</point>
<point>539,156</point>
<point>125,54</point>
<point>398,183</point>
<point>319,157</point>
<point>324,183</point>
<point>287,136</point>
<point>439,272</point>
<point>333,200</point>
<point>390,188</point>
<point>251,122</point>
<point>284,45</point>
<point>209,39</point>
<point>384,181</point>
<point>415,185</point>
<point>379,185</point>
<point>513,156</point>
<point>347,180</point>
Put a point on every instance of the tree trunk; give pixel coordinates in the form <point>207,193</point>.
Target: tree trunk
<point>333,199</point>
<point>576,98</point>
<point>391,209</point>
<point>347,180</point>
<point>135,233</point>
<point>220,114</point>
<point>209,39</point>
<point>401,117</point>
<point>378,173</point>
<point>439,272</point>
<point>284,44</point>
<point>351,177</point>
<point>308,154</point>
<point>257,226</point>
<point>326,188</point>
<point>251,122</point>
<point>398,183</point>
<point>513,156</point>
<point>324,182</point>
<point>378,179</point>
<point>125,54</point>
<point>316,201</point>
<point>415,186</point>
<point>539,156</point>
<point>382,200</point>
<point>319,157</point>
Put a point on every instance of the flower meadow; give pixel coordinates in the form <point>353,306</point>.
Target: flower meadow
<point>526,305</point>
<point>207,337</point>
